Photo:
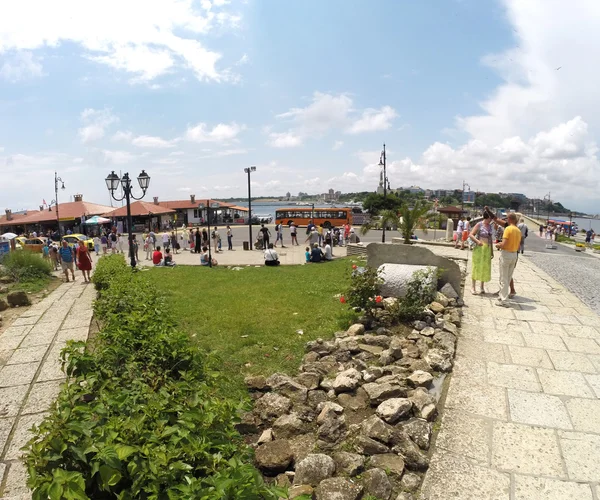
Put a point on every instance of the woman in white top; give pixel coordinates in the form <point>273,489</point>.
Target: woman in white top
<point>271,257</point>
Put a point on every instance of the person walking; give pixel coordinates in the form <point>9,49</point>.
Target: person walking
<point>320,231</point>
<point>165,240</point>
<point>204,237</point>
<point>148,247</point>
<point>279,232</point>
<point>104,243</point>
<point>313,237</point>
<point>84,262</point>
<point>198,241</point>
<point>229,238</point>
<point>54,255</point>
<point>458,234</point>
<point>511,241</point>
<point>174,241</point>
<point>120,243</point>
<point>113,239</point>
<point>482,235</point>
<point>346,233</point>
<point>524,233</point>
<point>266,235</point>
<point>66,258</point>
<point>541,230</point>
<point>294,234</point>
<point>97,244</point>
<point>215,237</point>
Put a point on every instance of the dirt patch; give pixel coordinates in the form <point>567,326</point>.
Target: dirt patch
<point>13,313</point>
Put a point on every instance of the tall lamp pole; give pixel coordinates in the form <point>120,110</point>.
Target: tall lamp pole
<point>57,179</point>
<point>547,208</point>
<point>383,163</point>
<point>112,183</point>
<point>462,205</point>
<point>249,170</point>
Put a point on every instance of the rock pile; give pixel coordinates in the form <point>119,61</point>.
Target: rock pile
<point>359,406</point>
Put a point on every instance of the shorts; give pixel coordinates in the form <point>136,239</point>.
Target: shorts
<point>465,235</point>
<point>66,265</point>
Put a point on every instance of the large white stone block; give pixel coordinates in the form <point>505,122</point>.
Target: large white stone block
<point>396,277</point>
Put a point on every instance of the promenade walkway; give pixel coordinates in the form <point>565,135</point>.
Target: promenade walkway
<point>30,372</point>
<point>522,413</point>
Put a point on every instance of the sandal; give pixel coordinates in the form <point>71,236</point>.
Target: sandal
<point>473,291</point>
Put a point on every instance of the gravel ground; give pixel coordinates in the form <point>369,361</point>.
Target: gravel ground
<point>580,274</point>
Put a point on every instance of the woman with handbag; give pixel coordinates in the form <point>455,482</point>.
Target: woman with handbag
<point>482,236</point>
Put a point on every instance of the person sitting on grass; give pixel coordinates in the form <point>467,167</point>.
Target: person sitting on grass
<point>271,257</point>
<point>316,255</point>
<point>205,259</point>
<point>157,257</point>
<point>328,252</point>
<point>168,260</point>
<point>307,254</point>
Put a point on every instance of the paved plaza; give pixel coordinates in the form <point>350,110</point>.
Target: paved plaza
<point>521,418</point>
<point>30,372</point>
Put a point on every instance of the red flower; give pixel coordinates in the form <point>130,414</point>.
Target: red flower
<point>354,266</point>
<point>378,299</point>
<point>343,299</point>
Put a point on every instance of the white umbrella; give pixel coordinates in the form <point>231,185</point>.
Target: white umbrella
<point>8,236</point>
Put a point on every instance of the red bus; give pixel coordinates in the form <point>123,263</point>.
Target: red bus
<point>300,216</point>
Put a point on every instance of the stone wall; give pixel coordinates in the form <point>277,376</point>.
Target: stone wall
<point>416,255</point>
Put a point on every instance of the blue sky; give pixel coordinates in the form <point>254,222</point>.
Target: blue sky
<point>194,91</point>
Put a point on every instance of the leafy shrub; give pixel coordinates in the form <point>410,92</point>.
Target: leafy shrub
<point>24,265</point>
<point>112,266</point>
<point>364,287</point>
<point>420,291</point>
<point>141,415</point>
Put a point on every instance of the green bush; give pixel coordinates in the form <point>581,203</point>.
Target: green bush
<point>141,415</point>
<point>24,265</point>
<point>112,266</point>
<point>420,291</point>
<point>364,287</point>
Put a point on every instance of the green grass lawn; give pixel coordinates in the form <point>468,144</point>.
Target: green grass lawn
<point>250,317</point>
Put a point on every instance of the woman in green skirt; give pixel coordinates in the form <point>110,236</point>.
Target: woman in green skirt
<point>482,236</point>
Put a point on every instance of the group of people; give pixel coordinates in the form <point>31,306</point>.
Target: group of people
<point>483,236</point>
<point>68,257</point>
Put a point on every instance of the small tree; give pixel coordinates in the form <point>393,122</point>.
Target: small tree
<point>406,219</point>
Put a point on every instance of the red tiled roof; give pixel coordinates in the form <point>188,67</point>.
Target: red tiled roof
<point>69,210</point>
<point>139,208</point>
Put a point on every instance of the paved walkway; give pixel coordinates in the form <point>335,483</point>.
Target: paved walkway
<point>522,414</point>
<point>30,372</point>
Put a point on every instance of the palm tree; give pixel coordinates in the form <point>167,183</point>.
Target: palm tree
<point>406,219</point>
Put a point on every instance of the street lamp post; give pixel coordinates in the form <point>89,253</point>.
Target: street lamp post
<point>547,208</point>
<point>462,205</point>
<point>57,179</point>
<point>249,170</point>
<point>570,224</point>
<point>112,183</point>
<point>383,163</point>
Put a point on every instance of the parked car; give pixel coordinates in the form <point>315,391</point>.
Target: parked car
<point>35,244</point>
<point>72,239</point>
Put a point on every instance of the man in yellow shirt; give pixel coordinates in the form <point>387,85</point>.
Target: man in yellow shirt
<point>511,240</point>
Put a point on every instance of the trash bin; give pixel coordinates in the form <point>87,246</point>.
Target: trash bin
<point>246,245</point>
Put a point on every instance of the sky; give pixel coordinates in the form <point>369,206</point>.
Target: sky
<point>500,94</point>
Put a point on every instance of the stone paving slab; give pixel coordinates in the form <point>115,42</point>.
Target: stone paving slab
<point>522,413</point>
<point>31,374</point>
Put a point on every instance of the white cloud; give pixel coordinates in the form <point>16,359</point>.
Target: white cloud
<point>325,113</point>
<point>337,145</point>
<point>284,140</point>
<point>119,157</point>
<point>373,120</point>
<point>146,141</point>
<point>145,39</point>
<point>21,66</point>
<point>226,152</point>
<point>122,136</point>
<point>96,121</point>
<point>220,133</point>
<point>184,189</point>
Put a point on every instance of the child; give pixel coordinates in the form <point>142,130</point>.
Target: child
<point>307,254</point>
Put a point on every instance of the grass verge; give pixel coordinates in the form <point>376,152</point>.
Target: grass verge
<point>250,318</point>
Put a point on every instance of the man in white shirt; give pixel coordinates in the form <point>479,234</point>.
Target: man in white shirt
<point>524,233</point>
<point>271,257</point>
<point>328,252</point>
